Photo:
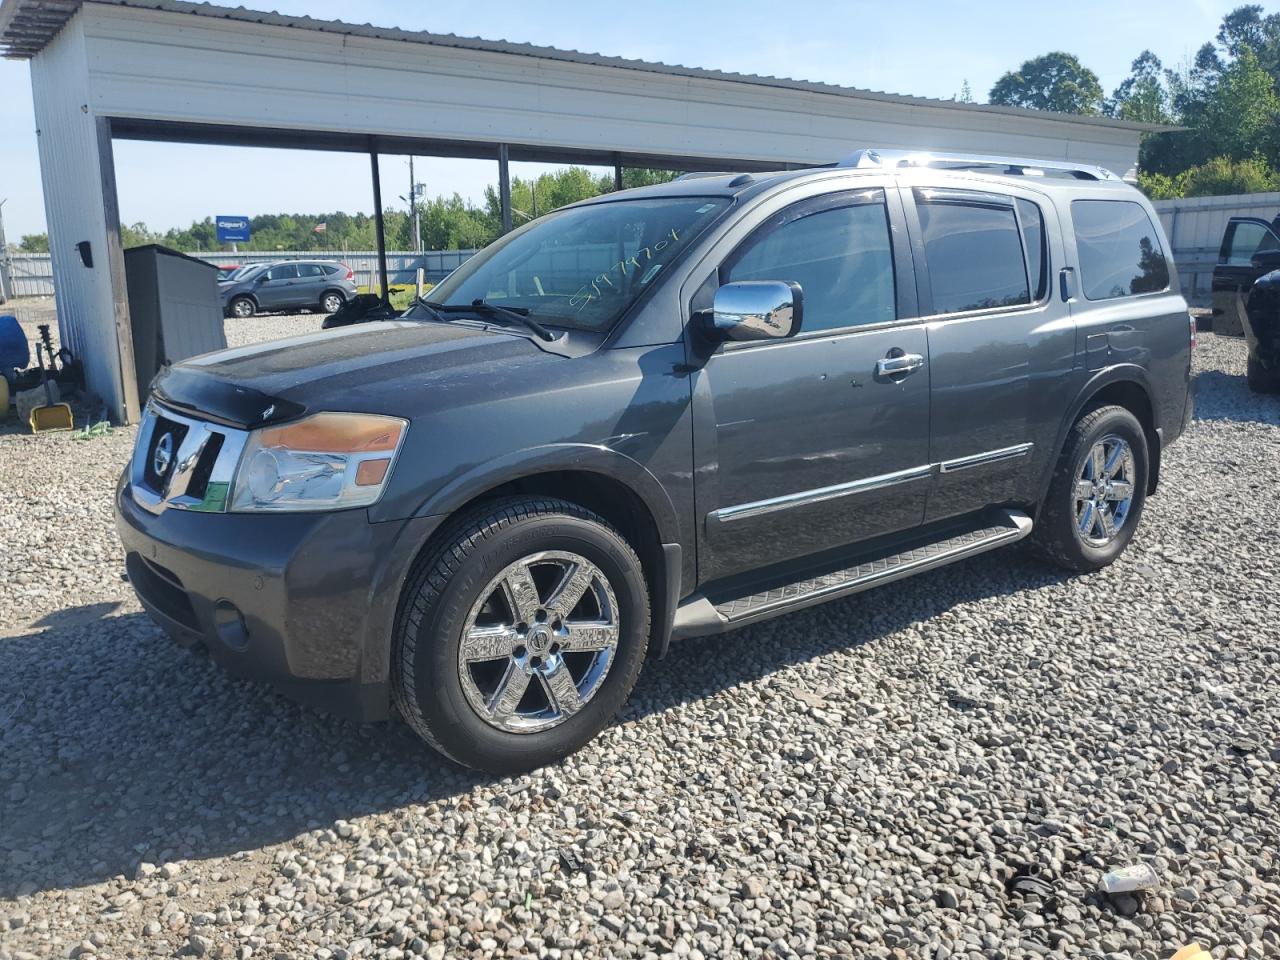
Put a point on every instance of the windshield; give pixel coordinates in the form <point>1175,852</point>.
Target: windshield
<point>581,268</point>
<point>247,269</point>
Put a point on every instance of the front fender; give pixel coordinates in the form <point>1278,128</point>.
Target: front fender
<point>583,457</point>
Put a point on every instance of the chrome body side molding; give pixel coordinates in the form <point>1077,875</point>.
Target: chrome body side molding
<point>807,497</point>
<point>804,498</point>
<point>980,459</point>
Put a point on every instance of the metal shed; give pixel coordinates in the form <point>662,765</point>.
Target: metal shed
<point>170,70</point>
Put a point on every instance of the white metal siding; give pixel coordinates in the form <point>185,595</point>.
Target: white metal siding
<point>174,66</point>
<point>73,202</point>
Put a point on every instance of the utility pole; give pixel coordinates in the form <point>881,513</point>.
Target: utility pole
<point>413,202</point>
<point>5,262</point>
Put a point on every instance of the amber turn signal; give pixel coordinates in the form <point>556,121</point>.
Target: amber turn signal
<point>338,433</point>
<point>371,472</point>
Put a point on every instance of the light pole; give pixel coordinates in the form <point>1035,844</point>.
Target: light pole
<point>416,191</point>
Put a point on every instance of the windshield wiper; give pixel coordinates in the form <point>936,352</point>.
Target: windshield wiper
<point>520,316</point>
<point>427,305</point>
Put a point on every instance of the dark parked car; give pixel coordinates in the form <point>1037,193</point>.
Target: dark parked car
<point>1250,248</point>
<point>288,285</point>
<point>1262,332</point>
<point>657,414</point>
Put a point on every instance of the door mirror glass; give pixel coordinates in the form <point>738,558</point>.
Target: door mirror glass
<point>757,310</point>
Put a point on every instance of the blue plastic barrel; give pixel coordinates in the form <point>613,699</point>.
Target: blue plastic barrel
<point>15,353</point>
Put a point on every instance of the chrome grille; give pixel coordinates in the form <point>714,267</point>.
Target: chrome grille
<point>183,463</point>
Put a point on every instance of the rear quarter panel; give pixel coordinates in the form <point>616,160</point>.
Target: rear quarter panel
<point>1144,338</point>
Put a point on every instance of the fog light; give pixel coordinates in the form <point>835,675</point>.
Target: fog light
<point>229,624</point>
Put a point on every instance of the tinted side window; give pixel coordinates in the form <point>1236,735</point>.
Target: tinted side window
<point>841,257</point>
<point>1248,239</point>
<point>286,271</point>
<point>1119,249</point>
<point>1033,239</point>
<point>310,270</point>
<point>974,252</point>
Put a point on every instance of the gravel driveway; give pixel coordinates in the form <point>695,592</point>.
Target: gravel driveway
<point>860,779</point>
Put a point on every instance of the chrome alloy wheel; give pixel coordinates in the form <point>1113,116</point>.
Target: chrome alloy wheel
<point>1104,490</point>
<point>538,642</point>
<point>242,308</point>
<point>331,303</point>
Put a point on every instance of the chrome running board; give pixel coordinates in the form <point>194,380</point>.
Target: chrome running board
<point>698,615</point>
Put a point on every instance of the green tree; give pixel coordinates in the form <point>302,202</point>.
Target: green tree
<point>1144,95</point>
<point>34,243</point>
<point>1241,117</point>
<point>1055,81</point>
<point>1246,28</point>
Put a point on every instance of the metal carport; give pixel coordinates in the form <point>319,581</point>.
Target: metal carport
<point>170,70</point>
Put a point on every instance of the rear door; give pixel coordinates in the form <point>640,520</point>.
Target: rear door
<point>311,282</point>
<point>803,445</point>
<point>1249,249</point>
<point>274,291</point>
<point>1001,346</point>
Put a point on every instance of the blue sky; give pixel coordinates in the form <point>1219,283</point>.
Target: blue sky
<point>922,47</point>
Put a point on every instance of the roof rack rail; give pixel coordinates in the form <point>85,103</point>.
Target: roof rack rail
<point>1015,166</point>
<point>702,174</point>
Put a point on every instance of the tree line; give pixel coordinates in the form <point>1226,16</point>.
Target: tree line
<point>1225,97</point>
<point>445,223</point>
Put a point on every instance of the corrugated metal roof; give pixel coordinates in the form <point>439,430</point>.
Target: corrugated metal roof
<point>27,25</point>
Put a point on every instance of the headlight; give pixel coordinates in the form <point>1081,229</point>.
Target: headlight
<point>328,461</point>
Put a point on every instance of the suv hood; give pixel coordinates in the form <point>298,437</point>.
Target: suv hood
<point>365,368</point>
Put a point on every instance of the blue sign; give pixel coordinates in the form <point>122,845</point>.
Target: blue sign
<point>232,229</point>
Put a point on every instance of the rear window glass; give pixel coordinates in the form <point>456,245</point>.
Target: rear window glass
<point>974,252</point>
<point>1119,249</point>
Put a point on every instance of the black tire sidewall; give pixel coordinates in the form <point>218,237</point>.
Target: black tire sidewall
<point>1123,424</point>
<point>252,309</point>
<point>324,298</point>
<point>453,723</point>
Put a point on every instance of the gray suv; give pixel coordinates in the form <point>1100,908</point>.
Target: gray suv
<point>323,285</point>
<point>663,413</point>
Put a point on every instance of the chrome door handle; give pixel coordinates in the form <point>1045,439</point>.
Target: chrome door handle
<point>904,363</point>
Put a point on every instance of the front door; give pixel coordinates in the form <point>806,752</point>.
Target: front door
<point>818,441</point>
<point>1249,249</point>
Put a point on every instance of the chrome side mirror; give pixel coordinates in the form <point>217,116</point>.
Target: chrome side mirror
<point>757,310</point>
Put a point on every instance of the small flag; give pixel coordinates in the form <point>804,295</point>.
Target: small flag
<point>320,227</point>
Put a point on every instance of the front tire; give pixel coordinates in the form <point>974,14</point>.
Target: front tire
<point>1261,380</point>
<point>520,634</point>
<point>242,308</point>
<point>1097,492</point>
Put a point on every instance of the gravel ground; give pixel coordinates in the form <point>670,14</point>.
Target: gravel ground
<point>859,779</point>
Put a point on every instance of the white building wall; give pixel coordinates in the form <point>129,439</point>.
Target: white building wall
<point>176,66</point>
<point>74,208</point>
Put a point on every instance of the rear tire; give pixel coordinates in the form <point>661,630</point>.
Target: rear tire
<point>486,666</point>
<point>1085,521</point>
<point>1261,380</point>
<point>331,301</point>
<point>242,308</point>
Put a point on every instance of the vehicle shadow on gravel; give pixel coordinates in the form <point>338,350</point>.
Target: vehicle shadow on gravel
<point>117,747</point>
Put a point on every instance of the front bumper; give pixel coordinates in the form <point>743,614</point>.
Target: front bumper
<point>306,601</point>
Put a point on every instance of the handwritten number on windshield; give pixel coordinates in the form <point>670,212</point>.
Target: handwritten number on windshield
<point>595,289</point>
